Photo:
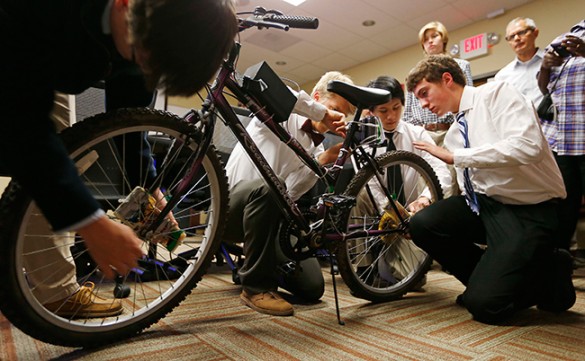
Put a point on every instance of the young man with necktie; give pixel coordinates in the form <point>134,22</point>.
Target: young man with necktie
<point>399,135</point>
<point>498,237</point>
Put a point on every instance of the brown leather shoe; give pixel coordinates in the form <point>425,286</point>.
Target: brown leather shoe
<point>267,302</point>
<point>85,304</point>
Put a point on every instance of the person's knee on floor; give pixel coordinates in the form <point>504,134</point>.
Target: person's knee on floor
<point>487,309</point>
<point>305,281</point>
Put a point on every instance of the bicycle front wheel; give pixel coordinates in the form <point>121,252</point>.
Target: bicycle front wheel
<point>386,264</point>
<point>116,153</point>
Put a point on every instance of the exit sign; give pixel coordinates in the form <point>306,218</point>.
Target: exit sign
<point>473,47</point>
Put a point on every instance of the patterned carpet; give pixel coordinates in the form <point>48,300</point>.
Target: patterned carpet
<point>213,325</point>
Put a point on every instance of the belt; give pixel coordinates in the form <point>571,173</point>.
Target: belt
<point>433,127</point>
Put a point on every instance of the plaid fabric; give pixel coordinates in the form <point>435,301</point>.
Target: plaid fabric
<point>566,135</point>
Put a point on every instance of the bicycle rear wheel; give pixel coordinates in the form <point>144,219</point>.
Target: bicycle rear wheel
<point>109,151</point>
<point>385,267</point>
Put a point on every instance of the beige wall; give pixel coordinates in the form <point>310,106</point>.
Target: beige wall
<point>552,17</point>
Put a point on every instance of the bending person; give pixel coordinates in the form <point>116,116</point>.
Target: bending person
<point>76,44</point>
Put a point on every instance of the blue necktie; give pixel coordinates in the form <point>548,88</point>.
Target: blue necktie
<point>470,195</point>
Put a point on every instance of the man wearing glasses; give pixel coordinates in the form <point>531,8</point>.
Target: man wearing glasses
<point>522,72</point>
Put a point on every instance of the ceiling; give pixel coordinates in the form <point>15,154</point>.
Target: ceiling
<point>341,41</point>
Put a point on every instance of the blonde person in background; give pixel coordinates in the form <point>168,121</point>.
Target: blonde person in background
<point>433,38</point>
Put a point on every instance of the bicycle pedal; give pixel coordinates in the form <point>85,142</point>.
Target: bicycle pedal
<point>339,201</point>
<point>287,268</point>
<point>154,270</point>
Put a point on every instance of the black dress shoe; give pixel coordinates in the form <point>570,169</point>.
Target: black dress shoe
<point>560,294</point>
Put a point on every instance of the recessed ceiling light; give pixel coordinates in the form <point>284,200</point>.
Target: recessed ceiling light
<point>295,2</point>
<point>281,62</point>
<point>368,23</point>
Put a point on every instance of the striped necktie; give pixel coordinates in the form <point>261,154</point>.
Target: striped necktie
<point>470,195</point>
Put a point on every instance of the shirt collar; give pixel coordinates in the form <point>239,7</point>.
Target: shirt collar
<point>399,128</point>
<point>537,57</point>
<point>467,98</point>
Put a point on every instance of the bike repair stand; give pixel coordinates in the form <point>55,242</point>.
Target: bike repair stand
<point>331,262</point>
<point>335,207</point>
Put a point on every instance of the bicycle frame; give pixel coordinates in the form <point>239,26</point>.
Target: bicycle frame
<point>216,101</point>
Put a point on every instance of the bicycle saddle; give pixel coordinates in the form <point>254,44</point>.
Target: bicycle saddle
<point>359,96</point>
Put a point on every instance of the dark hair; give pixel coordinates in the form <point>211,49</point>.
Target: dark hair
<point>432,69</point>
<point>389,83</point>
<point>184,40</point>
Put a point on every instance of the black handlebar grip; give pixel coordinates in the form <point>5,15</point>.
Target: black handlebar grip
<point>301,22</point>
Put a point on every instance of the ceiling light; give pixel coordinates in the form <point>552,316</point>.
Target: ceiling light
<point>368,23</point>
<point>280,62</point>
<point>295,2</point>
<point>495,13</point>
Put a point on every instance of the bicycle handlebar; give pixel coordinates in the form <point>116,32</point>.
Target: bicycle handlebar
<point>299,22</point>
<point>263,18</point>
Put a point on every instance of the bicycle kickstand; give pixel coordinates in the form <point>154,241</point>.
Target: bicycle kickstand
<point>335,290</point>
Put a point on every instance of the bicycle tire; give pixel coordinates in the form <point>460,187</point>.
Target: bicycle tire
<point>150,300</point>
<point>384,268</point>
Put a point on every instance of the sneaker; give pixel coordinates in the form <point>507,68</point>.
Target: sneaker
<point>267,302</point>
<point>85,304</point>
<point>561,295</point>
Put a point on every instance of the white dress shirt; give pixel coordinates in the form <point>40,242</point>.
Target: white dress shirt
<point>509,157</point>
<point>287,166</point>
<point>403,136</point>
<point>523,75</point>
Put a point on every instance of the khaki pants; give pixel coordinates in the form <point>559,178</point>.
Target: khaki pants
<point>49,266</point>
<point>47,256</point>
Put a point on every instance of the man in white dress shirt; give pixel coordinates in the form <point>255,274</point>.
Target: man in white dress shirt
<point>522,72</point>
<point>510,182</point>
<point>254,215</point>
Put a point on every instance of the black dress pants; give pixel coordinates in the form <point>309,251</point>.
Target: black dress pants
<point>573,171</point>
<point>503,277</point>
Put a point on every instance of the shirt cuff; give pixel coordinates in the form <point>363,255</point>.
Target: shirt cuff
<point>309,107</point>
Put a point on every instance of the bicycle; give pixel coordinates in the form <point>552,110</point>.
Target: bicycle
<point>191,177</point>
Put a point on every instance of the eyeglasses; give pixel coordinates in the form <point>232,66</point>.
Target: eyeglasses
<point>518,33</point>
